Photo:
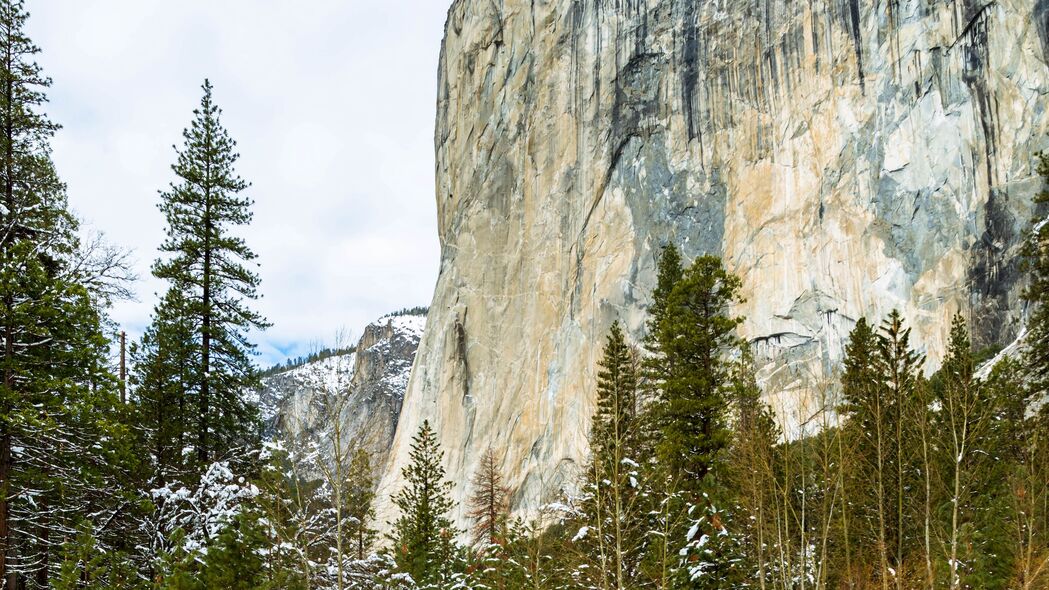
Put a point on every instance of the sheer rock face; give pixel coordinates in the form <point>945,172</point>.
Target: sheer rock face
<point>365,387</point>
<point>844,157</point>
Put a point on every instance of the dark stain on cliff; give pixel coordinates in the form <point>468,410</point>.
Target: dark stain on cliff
<point>993,274</point>
<point>460,354</point>
<point>1040,14</point>
<point>976,56</point>
<point>853,26</point>
<point>690,66</point>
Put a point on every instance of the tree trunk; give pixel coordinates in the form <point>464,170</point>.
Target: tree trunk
<point>5,532</point>
<point>6,460</point>
<point>882,537</point>
<point>205,325</point>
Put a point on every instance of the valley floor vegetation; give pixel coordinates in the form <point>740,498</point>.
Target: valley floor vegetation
<point>160,479</point>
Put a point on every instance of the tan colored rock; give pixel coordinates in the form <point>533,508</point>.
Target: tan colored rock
<point>844,157</point>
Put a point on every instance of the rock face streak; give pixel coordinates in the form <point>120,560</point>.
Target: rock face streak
<point>844,157</point>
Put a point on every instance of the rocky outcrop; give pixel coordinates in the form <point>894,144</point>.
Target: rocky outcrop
<point>364,387</point>
<point>844,157</point>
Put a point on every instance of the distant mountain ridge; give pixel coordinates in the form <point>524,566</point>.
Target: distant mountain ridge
<point>364,384</point>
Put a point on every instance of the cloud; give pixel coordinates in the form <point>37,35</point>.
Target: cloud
<point>332,104</point>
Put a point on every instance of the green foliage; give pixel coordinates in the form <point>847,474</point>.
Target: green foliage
<point>360,491</point>
<point>62,436</point>
<point>693,336</point>
<point>668,275</point>
<point>1036,255</point>
<point>162,380</point>
<point>87,565</point>
<point>418,310</point>
<point>614,510</point>
<point>305,360</point>
<point>423,538</point>
<point>207,264</point>
<point>881,390</point>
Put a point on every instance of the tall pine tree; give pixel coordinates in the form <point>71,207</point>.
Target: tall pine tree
<point>881,389</point>
<point>615,510</point>
<point>208,264</point>
<point>693,335</point>
<point>668,272</point>
<point>162,365</point>
<point>423,536</point>
<point>59,428</point>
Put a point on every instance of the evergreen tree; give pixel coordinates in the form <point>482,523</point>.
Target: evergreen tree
<point>1014,523</point>
<point>423,535</point>
<point>898,367</point>
<point>866,410</point>
<point>751,467</point>
<point>1036,253</point>
<point>615,512</point>
<point>88,565</point>
<point>693,335</point>
<point>361,505</point>
<point>656,365</point>
<point>207,264</point>
<point>882,389</point>
<point>59,424</point>
<point>668,274</point>
<point>162,365</point>
<point>967,409</point>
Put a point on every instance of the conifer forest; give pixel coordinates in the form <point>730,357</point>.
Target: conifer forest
<point>148,462</point>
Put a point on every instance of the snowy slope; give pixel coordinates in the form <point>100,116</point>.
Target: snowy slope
<point>362,390</point>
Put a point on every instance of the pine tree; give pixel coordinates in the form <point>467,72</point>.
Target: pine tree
<point>655,364</point>
<point>59,426</point>
<point>360,490</point>
<point>162,365</point>
<point>207,264</point>
<point>882,390</point>
<point>962,423</point>
<point>752,466</point>
<point>423,535</point>
<point>693,336</point>
<point>1036,254</point>
<point>668,275</point>
<point>866,409</point>
<point>1015,526</point>
<point>489,504</point>
<point>615,511</point>
<point>898,367</point>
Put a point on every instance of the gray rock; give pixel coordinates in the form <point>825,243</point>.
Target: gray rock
<point>365,387</point>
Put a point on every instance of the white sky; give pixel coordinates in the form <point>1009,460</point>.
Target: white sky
<point>332,103</point>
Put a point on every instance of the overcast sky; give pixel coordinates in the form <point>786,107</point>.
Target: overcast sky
<point>332,104</point>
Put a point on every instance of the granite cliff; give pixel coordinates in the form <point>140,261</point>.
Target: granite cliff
<point>844,157</point>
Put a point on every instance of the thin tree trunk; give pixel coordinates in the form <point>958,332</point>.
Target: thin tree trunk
<point>882,537</point>
<point>847,545</point>
<point>928,498</point>
<point>5,532</point>
<point>6,459</point>
<point>899,482</point>
<point>205,386</point>
<point>617,489</point>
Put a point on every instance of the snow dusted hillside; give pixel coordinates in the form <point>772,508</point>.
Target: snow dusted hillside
<point>361,391</point>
